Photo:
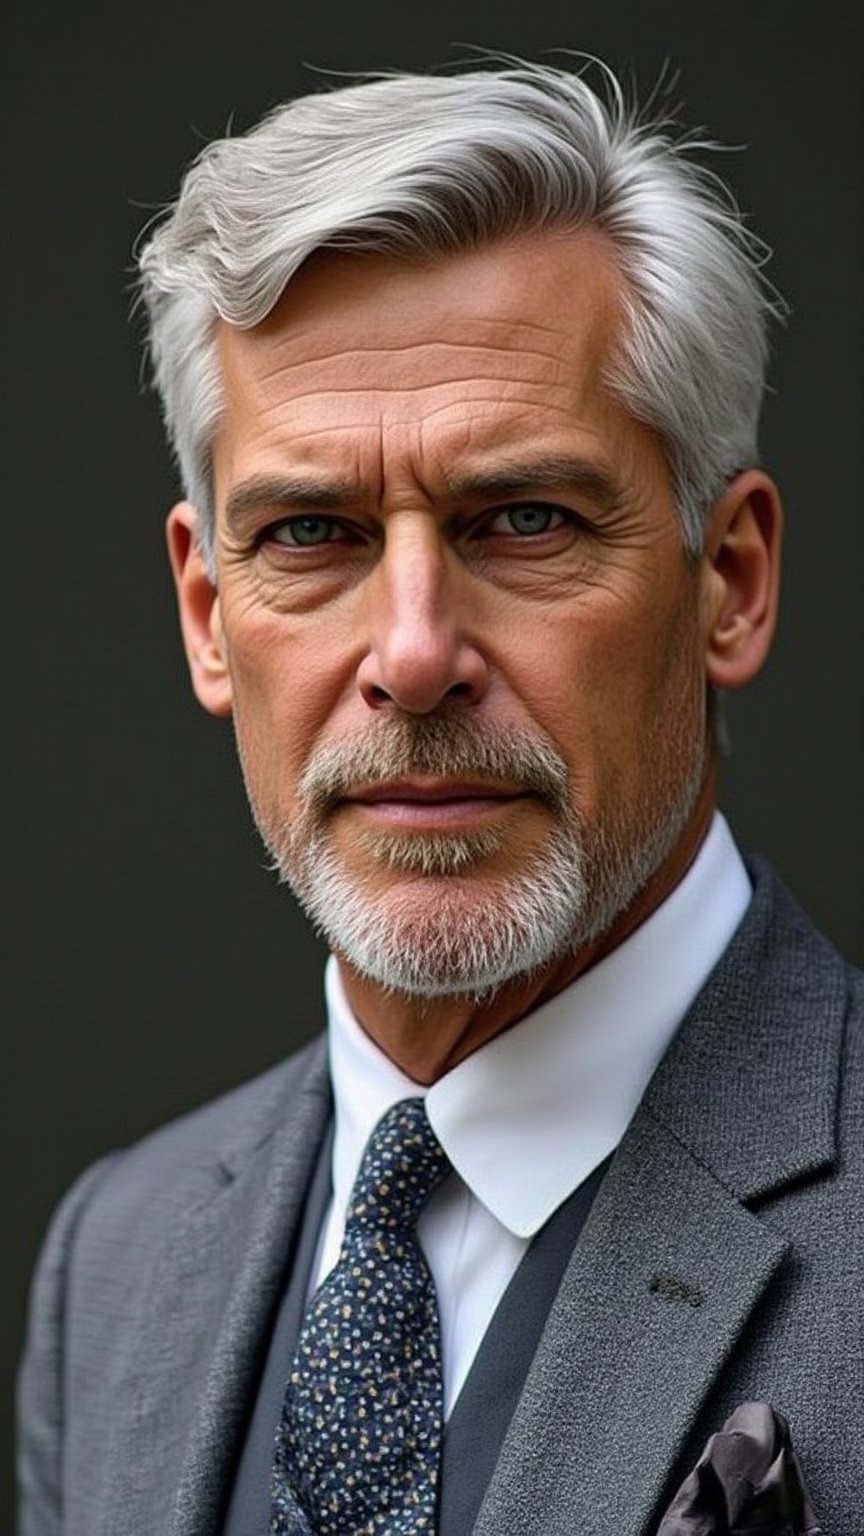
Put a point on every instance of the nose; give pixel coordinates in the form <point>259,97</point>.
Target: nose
<point>421,653</point>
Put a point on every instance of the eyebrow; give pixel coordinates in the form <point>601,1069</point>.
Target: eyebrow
<point>298,493</point>
<point>288,493</point>
<point>557,473</point>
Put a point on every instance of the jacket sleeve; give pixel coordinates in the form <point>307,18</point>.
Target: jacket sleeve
<point>41,1385</point>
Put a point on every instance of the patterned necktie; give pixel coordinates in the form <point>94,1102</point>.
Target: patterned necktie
<point>359,1443</point>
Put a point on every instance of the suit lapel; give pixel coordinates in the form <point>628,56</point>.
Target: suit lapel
<point>214,1290</point>
<point>666,1274</point>
<point>672,1262</point>
<point>254,1273</point>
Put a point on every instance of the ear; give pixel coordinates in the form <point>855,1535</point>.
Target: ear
<point>741,579</point>
<point>200,618</point>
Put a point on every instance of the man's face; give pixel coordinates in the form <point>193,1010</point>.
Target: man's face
<point>465,648</point>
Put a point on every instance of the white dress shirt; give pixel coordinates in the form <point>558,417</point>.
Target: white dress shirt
<point>532,1113</point>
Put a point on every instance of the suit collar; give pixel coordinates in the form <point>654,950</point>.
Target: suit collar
<point>259,1109</point>
<point>750,1084</point>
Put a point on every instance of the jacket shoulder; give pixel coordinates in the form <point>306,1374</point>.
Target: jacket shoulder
<point>175,1167</point>
<point>100,1250</point>
<point>180,1157</point>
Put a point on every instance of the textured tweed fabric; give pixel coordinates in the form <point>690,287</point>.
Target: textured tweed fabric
<point>359,1443</point>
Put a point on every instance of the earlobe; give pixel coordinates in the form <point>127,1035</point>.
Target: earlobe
<point>741,579</point>
<point>200,613</point>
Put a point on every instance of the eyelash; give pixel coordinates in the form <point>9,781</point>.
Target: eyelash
<point>351,535</point>
<point>270,534</point>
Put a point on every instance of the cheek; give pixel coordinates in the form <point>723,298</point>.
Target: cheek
<point>580,673</point>
<point>284,689</point>
<point>610,689</point>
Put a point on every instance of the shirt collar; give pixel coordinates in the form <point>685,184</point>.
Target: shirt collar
<point>530,1115</point>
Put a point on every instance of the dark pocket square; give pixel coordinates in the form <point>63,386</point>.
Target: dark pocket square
<point>747,1480</point>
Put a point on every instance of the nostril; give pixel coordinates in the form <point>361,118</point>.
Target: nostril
<point>417,678</point>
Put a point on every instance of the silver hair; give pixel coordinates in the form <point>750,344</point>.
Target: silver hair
<point>413,165</point>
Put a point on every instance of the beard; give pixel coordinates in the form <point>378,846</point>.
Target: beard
<point>448,922</point>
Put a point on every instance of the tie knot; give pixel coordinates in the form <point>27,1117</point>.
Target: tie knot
<point>402,1164</point>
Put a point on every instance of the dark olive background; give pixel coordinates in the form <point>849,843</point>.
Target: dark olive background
<point>150,961</point>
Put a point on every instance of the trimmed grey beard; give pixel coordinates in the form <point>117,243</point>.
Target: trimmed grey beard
<point>449,927</point>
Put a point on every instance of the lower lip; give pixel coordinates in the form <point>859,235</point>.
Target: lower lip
<point>434,815</point>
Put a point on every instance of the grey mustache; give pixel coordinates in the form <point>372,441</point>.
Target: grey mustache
<point>435,746</point>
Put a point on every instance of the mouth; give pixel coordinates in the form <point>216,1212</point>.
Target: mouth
<point>434,804</point>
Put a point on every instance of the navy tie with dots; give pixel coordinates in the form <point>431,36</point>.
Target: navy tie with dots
<point>359,1442</point>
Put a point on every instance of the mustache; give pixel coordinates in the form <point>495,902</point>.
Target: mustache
<point>446,746</point>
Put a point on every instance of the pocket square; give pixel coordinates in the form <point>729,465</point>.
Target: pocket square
<point>747,1482</point>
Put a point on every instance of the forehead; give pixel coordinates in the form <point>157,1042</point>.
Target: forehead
<point>450,356</point>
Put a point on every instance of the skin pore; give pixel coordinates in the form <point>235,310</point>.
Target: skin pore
<point>427,503</point>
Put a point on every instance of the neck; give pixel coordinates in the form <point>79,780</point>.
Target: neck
<point>427,1037</point>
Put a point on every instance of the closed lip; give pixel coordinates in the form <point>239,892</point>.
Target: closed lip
<point>434,791</point>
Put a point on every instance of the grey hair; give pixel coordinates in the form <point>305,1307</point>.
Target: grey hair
<point>413,165</point>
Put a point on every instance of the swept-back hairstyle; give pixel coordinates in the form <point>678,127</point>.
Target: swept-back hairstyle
<point>417,165</point>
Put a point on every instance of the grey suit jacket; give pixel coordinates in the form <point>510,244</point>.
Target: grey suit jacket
<point>722,1260</point>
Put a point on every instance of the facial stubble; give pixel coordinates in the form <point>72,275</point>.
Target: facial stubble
<point>444,920</point>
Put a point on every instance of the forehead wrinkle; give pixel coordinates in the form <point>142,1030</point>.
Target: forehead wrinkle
<point>326,342</point>
<point>300,380</point>
<point>484,393</point>
<point>310,343</point>
<point>416,348</point>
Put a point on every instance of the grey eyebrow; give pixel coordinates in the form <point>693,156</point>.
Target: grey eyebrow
<point>287,493</point>
<point>293,493</point>
<point>561,473</point>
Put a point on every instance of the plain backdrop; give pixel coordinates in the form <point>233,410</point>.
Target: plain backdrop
<point>150,960</point>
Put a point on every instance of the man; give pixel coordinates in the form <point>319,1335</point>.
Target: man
<point>463,376</point>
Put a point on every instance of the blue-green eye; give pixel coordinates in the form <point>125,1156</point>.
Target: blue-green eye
<point>304,531</point>
<point>527,519</point>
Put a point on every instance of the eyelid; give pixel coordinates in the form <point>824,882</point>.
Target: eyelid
<point>343,530</point>
<point>336,525</point>
<point>530,503</point>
